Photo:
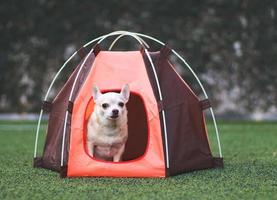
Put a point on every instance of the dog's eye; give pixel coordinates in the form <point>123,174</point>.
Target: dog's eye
<point>105,105</point>
<point>121,104</point>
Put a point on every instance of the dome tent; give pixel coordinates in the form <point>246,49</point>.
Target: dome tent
<point>166,123</point>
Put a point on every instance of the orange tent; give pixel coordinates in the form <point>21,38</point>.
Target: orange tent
<point>166,124</point>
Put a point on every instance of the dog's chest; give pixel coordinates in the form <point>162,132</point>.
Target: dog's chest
<point>107,144</point>
<point>108,138</point>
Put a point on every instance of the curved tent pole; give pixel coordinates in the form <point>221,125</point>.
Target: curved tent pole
<point>122,35</point>
<point>193,73</point>
<point>199,82</point>
<point>45,98</point>
<point>191,70</point>
<point>50,87</point>
<point>101,38</point>
<point>77,76</point>
<point>37,133</point>
<point>163,112</point>
<point>70,99</point>
<point>54,80</point>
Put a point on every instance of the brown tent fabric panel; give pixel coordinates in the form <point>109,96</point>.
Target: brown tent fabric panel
<point>187,138</point>
<point>51,158</point>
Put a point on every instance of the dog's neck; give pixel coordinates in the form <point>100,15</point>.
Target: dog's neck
<point>109,123</point>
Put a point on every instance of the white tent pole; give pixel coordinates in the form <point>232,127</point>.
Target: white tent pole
<point>182,59</point>
<point>57,74</point>
<point>104,36</point>
<point>72,89</point>
<point>54,80</point>
<point>70,58</point>
<point>199,82</point>
<point>111,34</point>
<point>122,35</point>
<point>216,131</point>
<point>37,133</point>
<point>135,37</point>
<point>163,112</point>
<point>49,89</point>
<point>70,98</point>
<point>45,98</point>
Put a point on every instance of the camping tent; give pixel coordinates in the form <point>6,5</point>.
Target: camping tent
<point>166,123</point>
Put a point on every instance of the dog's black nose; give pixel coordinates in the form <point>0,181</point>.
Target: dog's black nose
<point>115,112</point>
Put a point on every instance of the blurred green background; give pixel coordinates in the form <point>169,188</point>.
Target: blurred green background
<point>231,45</point>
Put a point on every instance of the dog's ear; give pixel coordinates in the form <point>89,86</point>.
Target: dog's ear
<point>125,92</point>
<point>96,93</point>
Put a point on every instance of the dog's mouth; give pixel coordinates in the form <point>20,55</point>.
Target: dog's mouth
<point>114,116</point>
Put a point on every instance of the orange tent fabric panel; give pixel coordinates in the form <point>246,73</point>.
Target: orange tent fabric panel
<point>110,71</point>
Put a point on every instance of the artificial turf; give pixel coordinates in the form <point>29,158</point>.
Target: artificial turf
<point>250,172</point>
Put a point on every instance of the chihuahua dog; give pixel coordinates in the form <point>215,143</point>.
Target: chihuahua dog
<point>107,129</point>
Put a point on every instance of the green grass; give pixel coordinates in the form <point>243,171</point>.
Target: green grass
<point>250,172</point>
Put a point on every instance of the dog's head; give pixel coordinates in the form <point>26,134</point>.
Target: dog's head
<point>111,105</point>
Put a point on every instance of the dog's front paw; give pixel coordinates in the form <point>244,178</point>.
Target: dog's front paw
<point>90,149</point>
<point>116,159</point>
